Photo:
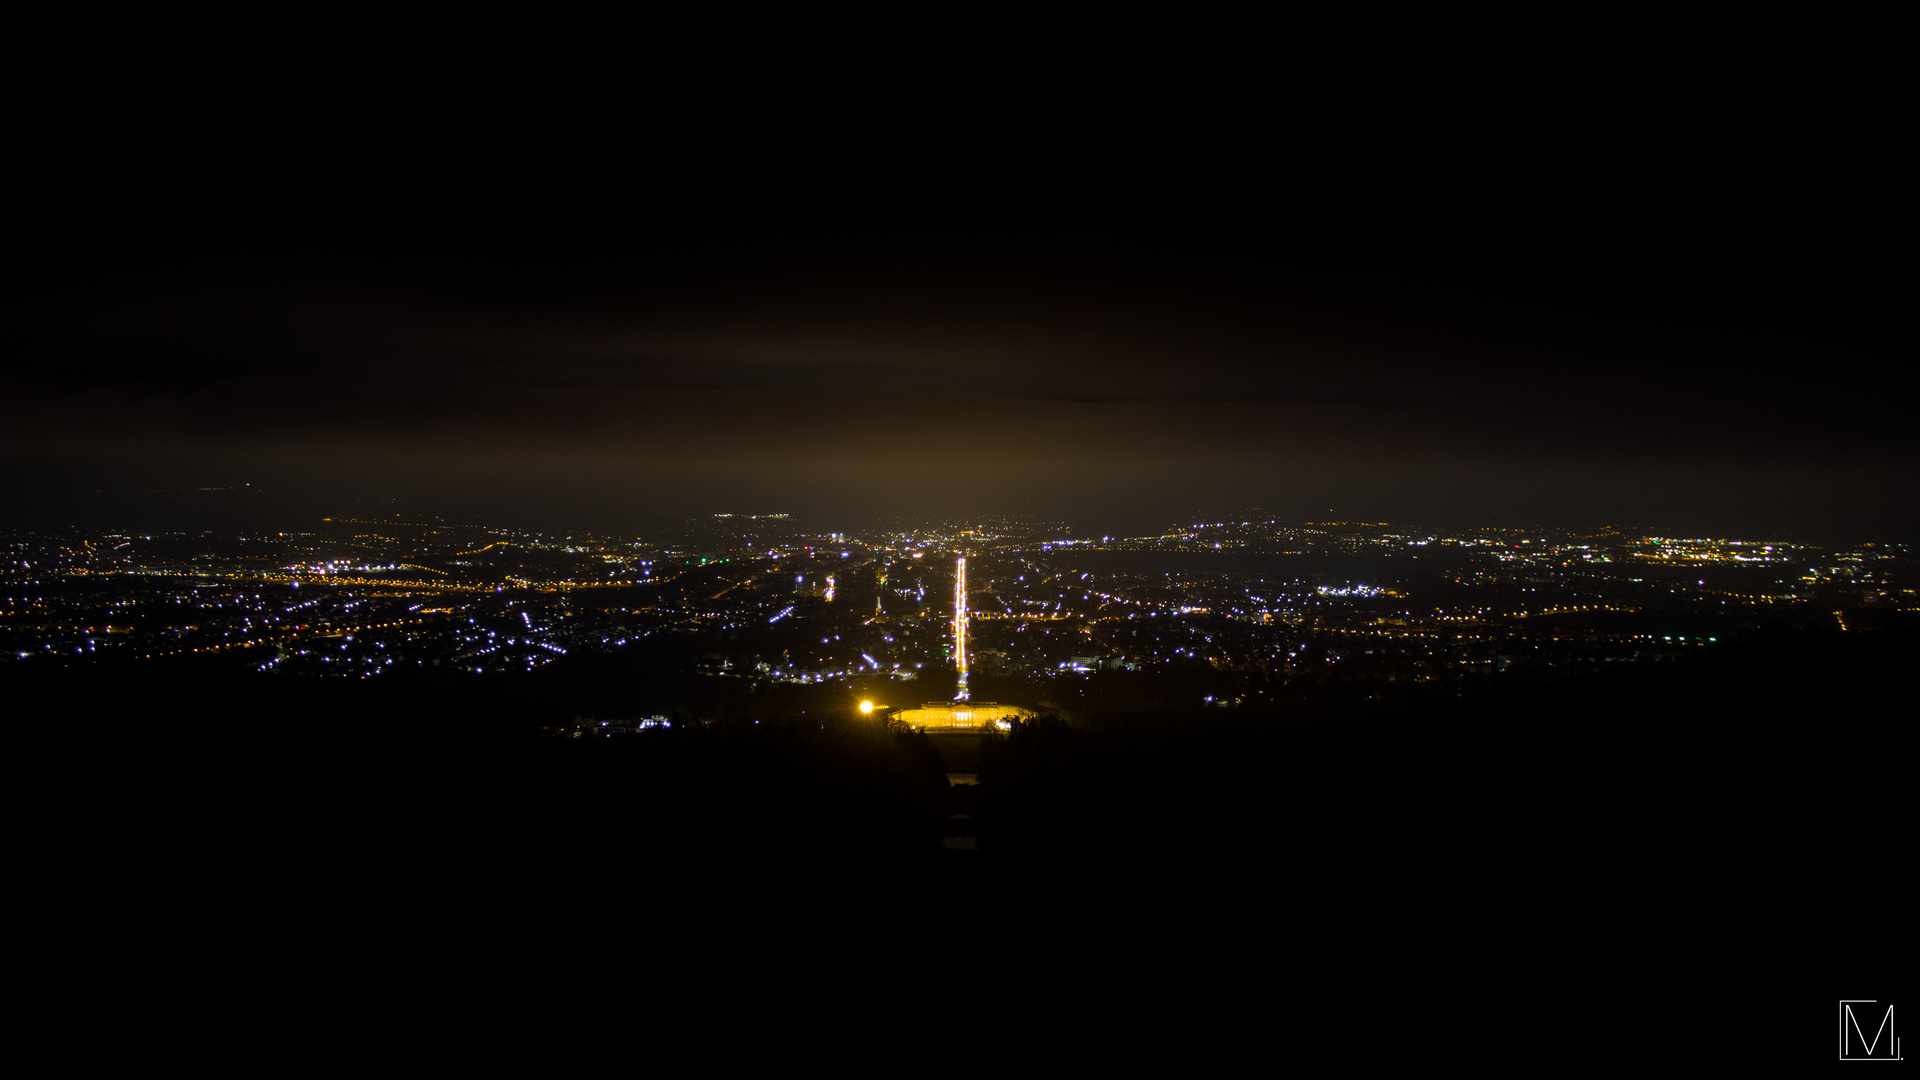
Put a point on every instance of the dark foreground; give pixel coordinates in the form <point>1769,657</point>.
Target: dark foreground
<point>1723,838</point>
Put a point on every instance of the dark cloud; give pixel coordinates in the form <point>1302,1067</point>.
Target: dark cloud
<point>1106,368</point>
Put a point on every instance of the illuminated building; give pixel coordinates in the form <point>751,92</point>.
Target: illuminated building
<point>961,715</point>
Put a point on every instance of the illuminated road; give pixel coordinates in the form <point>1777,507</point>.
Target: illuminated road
<point>960,624</point>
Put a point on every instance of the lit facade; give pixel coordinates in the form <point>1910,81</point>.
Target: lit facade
<point>962,716</point>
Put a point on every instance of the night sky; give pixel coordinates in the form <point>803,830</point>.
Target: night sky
<point>1698,343</point>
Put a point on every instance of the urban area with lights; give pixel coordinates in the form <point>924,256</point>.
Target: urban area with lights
<point>1040,618</point>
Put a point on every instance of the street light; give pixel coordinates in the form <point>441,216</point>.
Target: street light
<point>866,706</point>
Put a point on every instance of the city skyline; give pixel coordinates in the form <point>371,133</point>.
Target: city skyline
<point>1269,599</point>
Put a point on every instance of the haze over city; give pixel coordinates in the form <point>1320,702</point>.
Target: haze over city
<point>1680,375</point>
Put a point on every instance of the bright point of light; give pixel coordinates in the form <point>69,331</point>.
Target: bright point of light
<point>866,706</point>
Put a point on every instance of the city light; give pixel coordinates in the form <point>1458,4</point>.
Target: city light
<point>359,602</point>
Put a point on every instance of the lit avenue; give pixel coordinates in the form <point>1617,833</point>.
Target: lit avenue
<point>935,612</point>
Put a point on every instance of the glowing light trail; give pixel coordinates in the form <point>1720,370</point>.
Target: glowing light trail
<point>960,624</point>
